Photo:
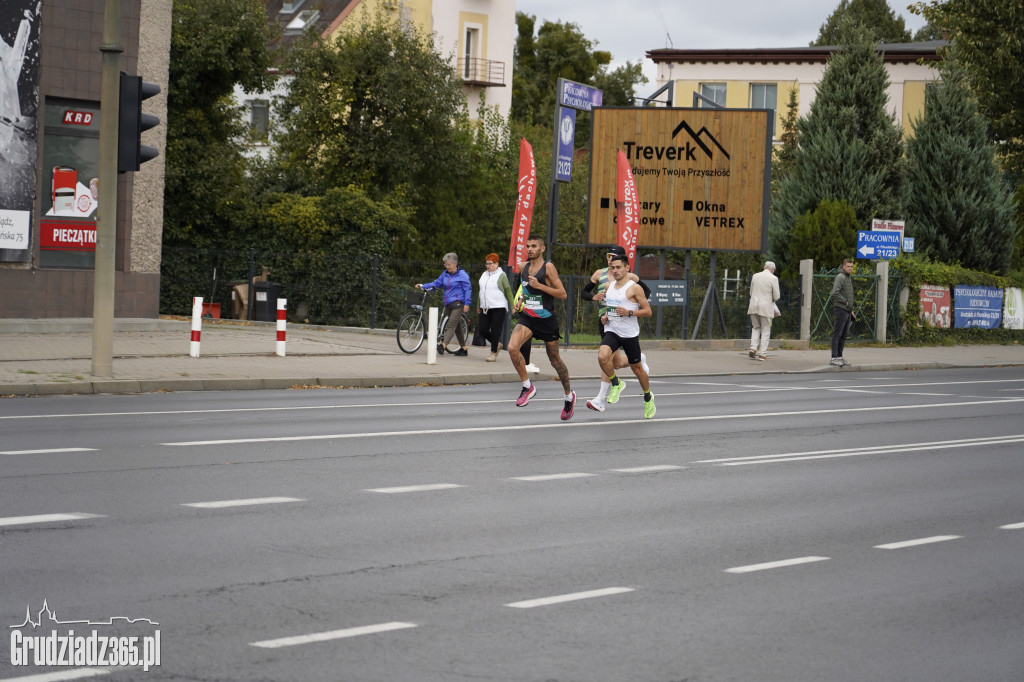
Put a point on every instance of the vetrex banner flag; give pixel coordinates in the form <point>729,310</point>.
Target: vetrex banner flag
<point>627,215</point>
<point>524,205</point>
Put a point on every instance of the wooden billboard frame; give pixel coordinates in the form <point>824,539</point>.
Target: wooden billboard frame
<point>703,176</point>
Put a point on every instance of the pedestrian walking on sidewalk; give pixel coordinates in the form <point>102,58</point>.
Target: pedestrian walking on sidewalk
<point>458,294</point>
<point>764,292</point>
<point>541,286</point>
<point>495,302</point>
<point>624,302</point>
<point>842,301</point>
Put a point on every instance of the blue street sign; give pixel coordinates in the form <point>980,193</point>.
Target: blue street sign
<point>578,96</point>
<point>565,134</point>
<point>908,244</point>
<point>879,244</point>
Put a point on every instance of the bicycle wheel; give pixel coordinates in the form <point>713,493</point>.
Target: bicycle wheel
<point>410,332</point>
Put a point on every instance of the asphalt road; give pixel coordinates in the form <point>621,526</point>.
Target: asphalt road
<point>818,527</point>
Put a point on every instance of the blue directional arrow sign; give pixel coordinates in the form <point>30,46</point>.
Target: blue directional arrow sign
<point>879,244</point>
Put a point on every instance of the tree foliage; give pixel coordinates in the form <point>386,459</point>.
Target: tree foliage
<point>824,235</point>
<point>958,206</point>
<point>214,45</point>
<point>873,15</point>
<point>850,146</point>
<point>990,46</point>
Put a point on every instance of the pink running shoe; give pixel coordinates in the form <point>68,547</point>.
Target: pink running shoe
<point>568,409</point>
<point>524,397</point>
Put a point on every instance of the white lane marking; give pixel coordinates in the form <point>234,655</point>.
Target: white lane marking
<point>776,564</point>
<point>575,596</point>
<point>77,674</point>
<point>415,488</point>
<point>1012,526</point>
<point>873,450</point>
<point>576,425</point>
<point>919,541</point>
<point>46,518</point>
<point>738,388</point>
<point>46,452</point>
<point>220,504</point>
<point>333,634</point>
<point>644,470</point>
<point>856,390</point>
<point>935,395</point>
<point>550,477</point>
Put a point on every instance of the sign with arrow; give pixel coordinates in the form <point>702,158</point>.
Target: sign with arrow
<point>879,244</point>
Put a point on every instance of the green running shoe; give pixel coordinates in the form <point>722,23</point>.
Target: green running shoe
<point>613,394</point>
<point>649,408</point>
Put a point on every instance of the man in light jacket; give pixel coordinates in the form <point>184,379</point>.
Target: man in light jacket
<point>764,292</point>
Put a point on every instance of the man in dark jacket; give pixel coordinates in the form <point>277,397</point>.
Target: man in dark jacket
<point>458,294</point>
<point>842,300</point>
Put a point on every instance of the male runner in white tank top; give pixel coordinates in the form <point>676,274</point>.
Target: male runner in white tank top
<point>624,303</point>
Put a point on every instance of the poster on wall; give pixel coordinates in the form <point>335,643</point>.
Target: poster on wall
<point>19,90</point>
<point>977,306</point>
<point>935,306</point>
<point>1013,309</point>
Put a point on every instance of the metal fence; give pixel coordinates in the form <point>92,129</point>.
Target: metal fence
<point>327,290</point>
<point>865,290</point>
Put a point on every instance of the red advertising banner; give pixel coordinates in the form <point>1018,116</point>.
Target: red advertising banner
<point>627,206</point>
<point>524,206</point>
<point>935,306</point>
<point>66,235</point>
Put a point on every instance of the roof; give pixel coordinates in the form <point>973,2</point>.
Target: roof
<point>281,13</point>
<point>892,53</point>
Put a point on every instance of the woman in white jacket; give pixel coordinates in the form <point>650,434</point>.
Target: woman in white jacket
<point>495,302</point>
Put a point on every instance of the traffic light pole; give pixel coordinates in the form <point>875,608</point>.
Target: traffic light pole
<point>106,227</point>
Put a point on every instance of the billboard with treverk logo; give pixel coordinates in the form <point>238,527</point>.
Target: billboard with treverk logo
<point>702,176</point>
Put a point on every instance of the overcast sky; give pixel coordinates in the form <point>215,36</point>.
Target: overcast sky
<point>629,28</point>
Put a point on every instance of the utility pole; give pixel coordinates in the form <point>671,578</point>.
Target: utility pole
<point>106,227</point>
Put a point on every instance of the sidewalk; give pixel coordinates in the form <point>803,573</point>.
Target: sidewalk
<point>50,357</point>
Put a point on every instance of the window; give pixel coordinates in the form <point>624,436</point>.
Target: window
<point>714,92</point>
<point>764,96</point>
<point>259,117</point>
<point>470,51</point>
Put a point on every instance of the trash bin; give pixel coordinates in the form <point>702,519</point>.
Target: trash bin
<point>264,301</point>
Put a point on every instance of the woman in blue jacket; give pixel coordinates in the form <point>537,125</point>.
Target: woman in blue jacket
<point>458,294</point>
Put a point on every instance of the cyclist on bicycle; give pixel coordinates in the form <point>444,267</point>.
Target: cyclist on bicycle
<point>458,294</point>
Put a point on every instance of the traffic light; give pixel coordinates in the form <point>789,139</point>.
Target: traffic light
<point>131,153</point>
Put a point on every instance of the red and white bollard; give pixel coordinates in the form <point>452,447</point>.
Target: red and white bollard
<point>197,325</point>
<point>282,306</point>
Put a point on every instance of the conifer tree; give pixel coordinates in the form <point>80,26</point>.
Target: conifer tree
<point>959,207</point>
<point>850,147</point>
<point>874,15</point>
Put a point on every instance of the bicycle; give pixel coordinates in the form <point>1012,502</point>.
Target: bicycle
<point>412,329</point>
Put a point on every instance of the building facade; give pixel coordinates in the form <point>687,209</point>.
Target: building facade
<point>762,78</point>
<point>49,158</point>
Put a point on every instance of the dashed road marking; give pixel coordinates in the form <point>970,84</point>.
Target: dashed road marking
<point>1012,526</point>
<point>919,541</point>
<point>575,596</point>
<point>77,674</point>
<point>46,452</point>
<point>776,564</point>
<point>220,504</point>
<point>551,477</point>
<point>333,634</point>
<point>415,488</point>
<point>648,469</point>
<point>46,518</point>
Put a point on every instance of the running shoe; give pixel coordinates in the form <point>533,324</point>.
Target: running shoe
<point>525,396</point>
<point>643,363</point>
<point>835,362</point>
<point>596,404</point>
<point>532,368</point>
<point>570,404</point>
<point>844,362</point>
<point>462,352</point>
<point>649,408</point>
<point>613,394</point>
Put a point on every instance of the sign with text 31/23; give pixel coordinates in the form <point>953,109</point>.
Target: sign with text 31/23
<point>702,176</point>
<point>977,306</point>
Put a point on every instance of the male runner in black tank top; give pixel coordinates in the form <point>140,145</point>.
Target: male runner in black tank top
<point>541,286</point>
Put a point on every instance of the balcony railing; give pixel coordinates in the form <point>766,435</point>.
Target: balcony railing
<point>482,72</point>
